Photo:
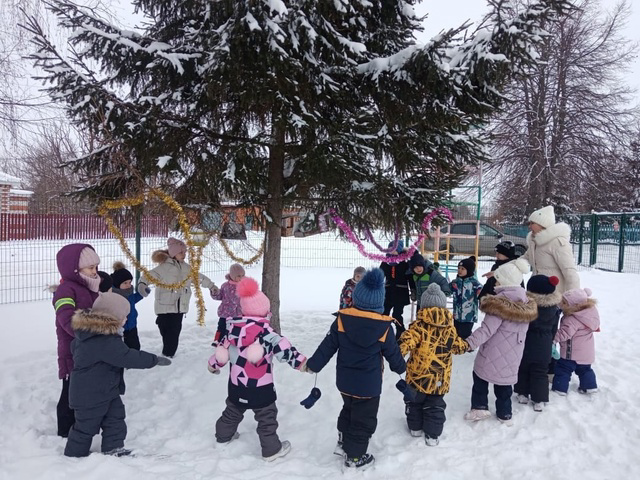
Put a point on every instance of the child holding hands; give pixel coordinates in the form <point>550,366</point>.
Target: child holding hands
<point>431,340</point>
<point>229,300</point>
<point>500,342</point>
<point>250,346</point>
<point>97,380</point>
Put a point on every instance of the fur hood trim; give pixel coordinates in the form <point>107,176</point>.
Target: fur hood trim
<point>85,321</point>
<point>571,309</point>
<point>160,256</point>
<point>549,300</point>
<point>559,230</point>
<point>517,312</point>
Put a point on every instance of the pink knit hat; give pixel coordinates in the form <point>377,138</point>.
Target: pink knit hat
<point>252,301</point>
<point>88,257</point>
<point>577,296</point>
<point>176,246</point>
<point>112,304</point>
<point>235,272</point>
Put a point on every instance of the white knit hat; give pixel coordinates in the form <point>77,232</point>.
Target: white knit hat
<point>545,217</point>
<point>510,274</point>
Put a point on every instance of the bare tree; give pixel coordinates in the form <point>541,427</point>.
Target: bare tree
<point>557,139</point>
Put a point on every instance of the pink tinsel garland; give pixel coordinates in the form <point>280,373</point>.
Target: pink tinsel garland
<point>426,224</point>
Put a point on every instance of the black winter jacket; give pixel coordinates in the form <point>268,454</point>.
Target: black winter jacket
<point>396,282</point>
<point>363,340</point>
<point>537,345</point>
<point>100,357</point>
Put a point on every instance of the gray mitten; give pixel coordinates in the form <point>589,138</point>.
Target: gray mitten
<point>143,289</point>
<point>163,361</point>
<point>215,291</point>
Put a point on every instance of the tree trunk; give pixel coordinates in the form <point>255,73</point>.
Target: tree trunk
<point>274,207</point>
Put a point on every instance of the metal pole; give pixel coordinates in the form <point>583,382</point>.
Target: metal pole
<point>621,241</point>
<point>580,239</point>
<point>138,234</point>
<point>594,240</point>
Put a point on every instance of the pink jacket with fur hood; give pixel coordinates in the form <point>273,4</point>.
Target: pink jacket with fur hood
<point>580,319</point>
<point>250,347</point>
<point>502,334</point>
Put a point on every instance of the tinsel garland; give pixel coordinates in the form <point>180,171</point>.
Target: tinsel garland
<point>396,238</point>
<point>250,261</point>
<point>195,252</point>
<point>426,225</point>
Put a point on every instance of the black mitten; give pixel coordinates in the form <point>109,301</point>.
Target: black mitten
<point>408,392</point>
<point>312,398</point>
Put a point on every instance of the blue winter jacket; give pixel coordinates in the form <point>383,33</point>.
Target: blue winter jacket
<point>363,340</point>
<point>132,318</point>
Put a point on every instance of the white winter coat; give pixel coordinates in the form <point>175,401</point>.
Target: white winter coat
<point>549,253</point>
<point>171,270</point>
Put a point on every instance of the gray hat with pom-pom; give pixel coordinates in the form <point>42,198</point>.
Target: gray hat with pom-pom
<point>433,297</point>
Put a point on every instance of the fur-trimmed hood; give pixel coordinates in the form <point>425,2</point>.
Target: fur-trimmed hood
<point>559,230</point>
<point>95,324</point>
<point>160,256</point>
<point>572,309</point>
<point>508,309</point>
<point>542,300</point>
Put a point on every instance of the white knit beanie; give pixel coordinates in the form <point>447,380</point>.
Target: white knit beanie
<point>545,217</point>
<point>510,274</point>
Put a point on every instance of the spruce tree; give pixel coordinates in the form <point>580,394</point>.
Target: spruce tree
<point>308,104</point>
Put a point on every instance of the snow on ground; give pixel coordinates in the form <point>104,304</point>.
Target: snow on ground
<point>171,410</point>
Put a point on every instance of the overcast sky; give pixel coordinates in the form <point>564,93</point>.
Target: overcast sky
<point>451,13</point>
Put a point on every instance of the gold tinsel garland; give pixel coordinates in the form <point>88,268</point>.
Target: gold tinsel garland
<point>250,261</point>
<point>195,252</point>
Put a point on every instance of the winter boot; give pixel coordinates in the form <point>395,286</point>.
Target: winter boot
<point>558,392</point>
<point>119,452</point>
<point>587,391</point>
<point>415,433</point>
<point>284,449</point>
<point>475,415</point>
<point>538,407</point>
<point>431,442</point>
<point>339,450</point>
<point>523,399</point>
<point>506,421</point>
<point>234,437</point>
<point>359,464</point>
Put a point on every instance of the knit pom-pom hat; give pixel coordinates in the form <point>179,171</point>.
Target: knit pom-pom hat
<point>542,284</point>
<point>433,296</point>
<point>120,274</point>
<point>369,292</point>
<point>252,301</point>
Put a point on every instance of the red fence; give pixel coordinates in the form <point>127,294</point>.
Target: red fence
<point>75,227</point>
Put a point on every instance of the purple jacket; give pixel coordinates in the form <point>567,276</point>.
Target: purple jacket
<point>230,305</point>
<point>502,334</point>
<point>576,332</point>
<point>72,294</point>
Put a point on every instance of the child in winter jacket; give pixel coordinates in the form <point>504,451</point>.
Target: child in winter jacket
<point>532,374</point>
<point>505,252</point>
<point>171,303</point>
<point>422,275</point>
<point>97,380</point>
<point>500,342</point>
<point>580,319</point>
<point>466,289</point>
<point>362,336</point>
<point>250,346</point>
<point>229,301</point>
<point>78,267</point>
<point>346,300</point>
<point>431,340</point>
<point>122,285</point>
<point>396,287</point>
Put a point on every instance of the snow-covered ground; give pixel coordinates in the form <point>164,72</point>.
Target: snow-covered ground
<point>171,410</point>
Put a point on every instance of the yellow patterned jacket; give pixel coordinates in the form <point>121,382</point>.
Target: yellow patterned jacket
<point>431,340</point>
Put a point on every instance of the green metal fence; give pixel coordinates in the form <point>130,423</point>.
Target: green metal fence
<point>608,241</point>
